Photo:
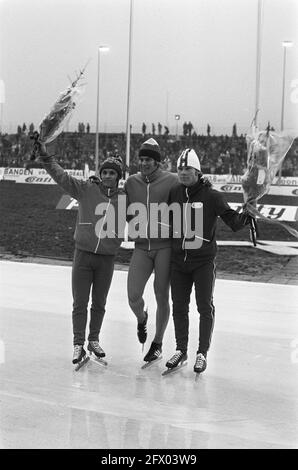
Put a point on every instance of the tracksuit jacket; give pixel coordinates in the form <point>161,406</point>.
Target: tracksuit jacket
<point>90,224</point>
<point>154,188</point>
<point>201,196</point>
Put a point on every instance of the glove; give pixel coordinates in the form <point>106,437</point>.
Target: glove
<point>248,215</point>
<point>245,218</point>
<point>246,209</point>
<point>94,179</point>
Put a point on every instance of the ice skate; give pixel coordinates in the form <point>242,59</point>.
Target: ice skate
<point>177,361</point>
<point>142,330</point>
<point>153,355</point>
<point>200,364</point>
<point>96,353</point>
<point>80,357</point>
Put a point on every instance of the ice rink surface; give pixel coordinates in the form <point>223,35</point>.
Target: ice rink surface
<point>247,398</point>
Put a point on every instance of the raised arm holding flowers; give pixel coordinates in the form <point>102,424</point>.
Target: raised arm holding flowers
<point>58,117</point>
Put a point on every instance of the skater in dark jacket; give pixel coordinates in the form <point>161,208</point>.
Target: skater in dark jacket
<point>95,247</point>
<point>194,252</point>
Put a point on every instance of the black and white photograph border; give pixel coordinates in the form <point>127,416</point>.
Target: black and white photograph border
<point>219,66</point>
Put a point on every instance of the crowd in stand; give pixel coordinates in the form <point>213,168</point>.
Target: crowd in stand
<point>219,154</point>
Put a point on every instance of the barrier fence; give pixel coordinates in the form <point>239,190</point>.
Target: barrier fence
<point>229,184</point>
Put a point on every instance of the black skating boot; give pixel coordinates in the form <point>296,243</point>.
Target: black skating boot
<point>154,352</point>
<point>78,353</point>
<point>93,346</point>
<point>178,358</point>
<point>200,364</point>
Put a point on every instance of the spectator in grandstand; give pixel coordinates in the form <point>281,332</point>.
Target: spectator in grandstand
<point>16,149</point>
<point>151,253</point>
<point>189,128</point>
<point>95,247</point>
<point>194,252</point>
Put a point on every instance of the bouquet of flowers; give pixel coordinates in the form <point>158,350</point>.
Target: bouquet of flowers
<point>266,151</point>
<point>55,121</point>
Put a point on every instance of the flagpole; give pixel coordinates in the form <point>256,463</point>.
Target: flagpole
<point>258,64</point>
<point>1,119</point>
<point>2,101</point>
<point>128,93</point>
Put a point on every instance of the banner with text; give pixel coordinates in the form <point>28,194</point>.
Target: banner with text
<point>271,211</point>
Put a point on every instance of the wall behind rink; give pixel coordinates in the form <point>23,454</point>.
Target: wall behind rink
<point>226,183</point>
<point>282,207</point>
<point>33,175</point>
<point>271,211</point>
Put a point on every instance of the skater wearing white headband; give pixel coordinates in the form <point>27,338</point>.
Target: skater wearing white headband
<point>194,253</point>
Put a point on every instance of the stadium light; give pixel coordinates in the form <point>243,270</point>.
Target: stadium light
<point>102,48</point>
<point>177,118</point>
<point>285,45</point>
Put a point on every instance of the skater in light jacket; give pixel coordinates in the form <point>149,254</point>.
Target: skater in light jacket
<point>152,252</point>
<point>194,252</point>
<point>95,248</point>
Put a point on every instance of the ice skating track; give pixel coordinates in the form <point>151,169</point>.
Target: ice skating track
<point>247,398</point>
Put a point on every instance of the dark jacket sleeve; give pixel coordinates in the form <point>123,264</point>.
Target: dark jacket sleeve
<point>230,217</point>
<point>71,185</point>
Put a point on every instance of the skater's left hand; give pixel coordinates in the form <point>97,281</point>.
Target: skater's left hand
<point>247,215</point>
<point>247,211</point>
<point>41,150</point>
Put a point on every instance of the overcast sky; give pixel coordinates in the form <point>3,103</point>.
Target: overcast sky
<point>195,58</point>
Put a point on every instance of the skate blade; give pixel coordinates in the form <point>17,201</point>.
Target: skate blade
<point>98,360</point>
<point>198,373</point>
<point>197,376</point>
<point>175,369</point>
<point>81,363</point>
<point>150,363</point>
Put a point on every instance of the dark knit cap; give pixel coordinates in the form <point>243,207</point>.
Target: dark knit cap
<point>151,149</point>
<point>114,163</point>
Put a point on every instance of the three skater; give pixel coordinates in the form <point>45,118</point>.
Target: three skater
<point>95,250</point>
<point>180,261</point>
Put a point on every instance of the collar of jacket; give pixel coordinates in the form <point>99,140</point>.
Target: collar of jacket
<point>194,188</point>
<point>153,176</point>
<point>109,192</point>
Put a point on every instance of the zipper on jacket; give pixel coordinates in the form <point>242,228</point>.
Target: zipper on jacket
<point>147,203</point>
<point>185,218</point>
<point>104,219</point>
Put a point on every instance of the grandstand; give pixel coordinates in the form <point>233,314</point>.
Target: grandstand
<point>219,154</point>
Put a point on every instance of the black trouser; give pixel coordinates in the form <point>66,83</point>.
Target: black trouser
<point>183,276</point>
<point>89,270</point>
